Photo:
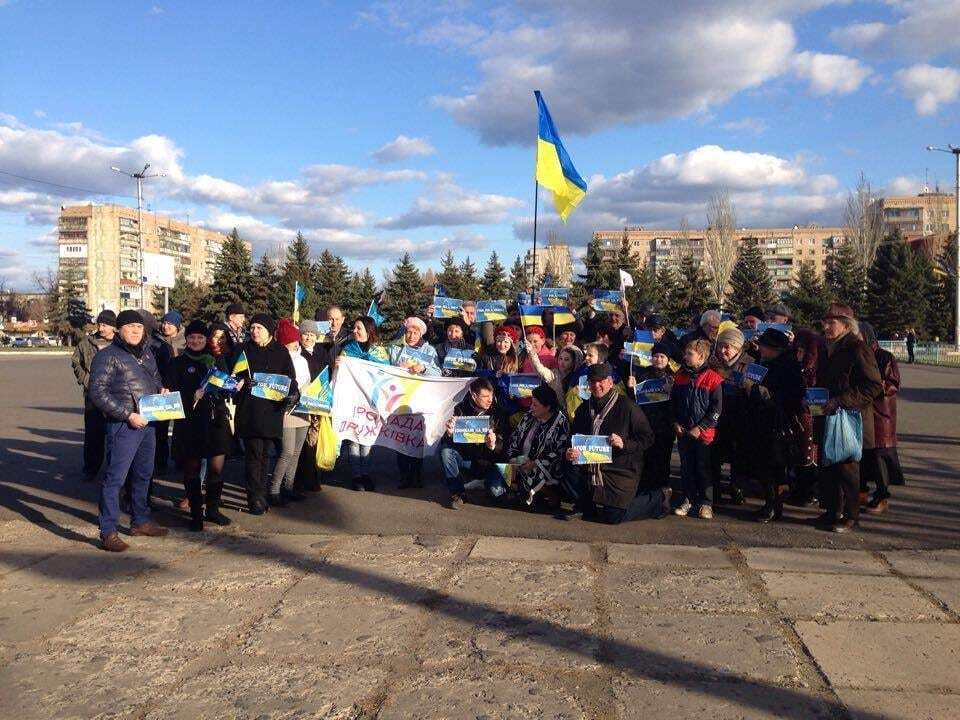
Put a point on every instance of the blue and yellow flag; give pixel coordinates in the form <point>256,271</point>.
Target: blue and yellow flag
<point>555,170</point>
<point>299,295</point>
<point>374,312</point>
<point>563,315</point>
<point>241,365</point>
<point>531,314</point>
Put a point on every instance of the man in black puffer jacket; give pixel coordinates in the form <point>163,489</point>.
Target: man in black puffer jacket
<point>120,375</point>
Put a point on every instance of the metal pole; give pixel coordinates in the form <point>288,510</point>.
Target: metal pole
<point>536,198</point>
<point>956,328</point>
<point>139,177</point>
<point>166,300</point>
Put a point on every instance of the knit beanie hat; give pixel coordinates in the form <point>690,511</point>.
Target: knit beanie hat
<point>310,326</point>
<point>287,332</point>
<point>731,336</point>
<point>128,317</point>
<point>173,317</point>
<point>107,317</point>
<point>661,348</point>
<point>576,352</point>
<point>415,322</point>
<point>196,327</point>
<point>264,320</point>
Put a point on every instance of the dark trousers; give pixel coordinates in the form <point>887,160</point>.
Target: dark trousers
<point>696,480</point>
<point>94,430</point>
<point>409,465</point>
<point>880,467</point>
<point>656,462</point>
<point>129,453</point>
<point>910,357</point>
<point>256,455</point>
<point>163,446</point>
<point>840,485</point>
<point>646,504</point>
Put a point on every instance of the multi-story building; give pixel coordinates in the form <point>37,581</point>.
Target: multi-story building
<point>554,258</point>
<point>783,249</point>
<point>99,248</point>
<point>925,220</point>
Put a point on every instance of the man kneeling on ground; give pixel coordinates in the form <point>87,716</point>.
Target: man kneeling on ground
<point>476,460</point>
<point>609,491</point>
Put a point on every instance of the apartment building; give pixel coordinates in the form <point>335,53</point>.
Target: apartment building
<point>554,257</point>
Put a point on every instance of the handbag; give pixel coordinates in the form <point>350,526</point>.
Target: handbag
<point>842,437</point>
<point>328,445</point>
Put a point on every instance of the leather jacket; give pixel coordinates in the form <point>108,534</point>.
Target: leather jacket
<point>118,379</point>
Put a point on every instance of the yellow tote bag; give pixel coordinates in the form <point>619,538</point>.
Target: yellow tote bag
<point>327,446</point>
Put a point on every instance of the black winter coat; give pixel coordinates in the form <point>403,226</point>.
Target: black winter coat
<point>118,379</point>
<point>480,454</point>
<point>659,415</point>
<point>773,410</point>
<point>258,417</point>
<point>621,477</point>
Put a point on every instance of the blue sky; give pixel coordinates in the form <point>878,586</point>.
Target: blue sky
<point>269,116</point>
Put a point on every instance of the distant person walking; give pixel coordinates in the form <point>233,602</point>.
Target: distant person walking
<point>120,375</point>
<point>93,422</point>
<point>911,344</point>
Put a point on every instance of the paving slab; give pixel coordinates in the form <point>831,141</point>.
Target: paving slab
<point>704,647</point>
<point>85,568</point>
<point>271,690</point>
<point>945,590</point>
<point>682,556</point>
<point>926,563</point>
<point>848,597</point>
<point>474,693</point>
<point>814,560</point>
<point>650,588</point>
<point>30,613</point>
<point>525,549</point>
<point>532,637</point>
<point>325,634</point>
<point>885,705</point>
<point>433,548</point>
<point>741,700</point>
<point>894,655</point>
<point>506,584</point>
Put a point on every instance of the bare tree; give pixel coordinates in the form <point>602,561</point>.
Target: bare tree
<point>720,242</point>
<point>862,221</point>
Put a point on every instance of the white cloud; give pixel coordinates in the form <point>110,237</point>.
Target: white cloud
<point>904,185</point>
<point>929,87</point>
<point>747,124</point>
<point>39,114</point>
<point>830,74</point>
<point>448,204</point>
<point>401,148</point>
<point>921,29</point>
<point>609,63</point>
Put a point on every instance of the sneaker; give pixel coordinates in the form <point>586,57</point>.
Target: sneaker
<point>475,484</point>
<point>684,509</point>
<point>456,502</point>
<point>706,512</point>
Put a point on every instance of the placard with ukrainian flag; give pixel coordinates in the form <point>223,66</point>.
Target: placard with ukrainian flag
<point>270,386</point>
<point>554,296</point>
<point>461,360</point>
<point>491,310</point>
<point>652,391</point>
<point>160,408</point>
<point>555,170</point>
<point>607,301</point>
<point>471,430</point>
<point>316,398</point>
<point>445,308</point>
<point>522,386</point>
<point>593,449</point>
<point>220,380</point>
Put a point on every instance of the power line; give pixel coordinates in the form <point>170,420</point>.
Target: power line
<point>63,187</point>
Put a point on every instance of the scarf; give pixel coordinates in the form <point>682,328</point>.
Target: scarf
<point>599,409</point>
<point>203,357</point>
<point>135,350</point>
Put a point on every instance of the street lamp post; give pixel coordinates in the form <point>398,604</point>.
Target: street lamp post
<point>955,151</point>
<point>139,177</point>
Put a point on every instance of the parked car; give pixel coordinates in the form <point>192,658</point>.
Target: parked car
<point>22,342</point>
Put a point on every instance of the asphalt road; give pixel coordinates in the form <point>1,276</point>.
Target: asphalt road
<point>41,425</point>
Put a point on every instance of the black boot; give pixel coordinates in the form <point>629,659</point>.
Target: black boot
<point>195,496</point>
<point>213,514</point>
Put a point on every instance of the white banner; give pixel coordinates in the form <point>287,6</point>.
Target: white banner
<point>383,405</point>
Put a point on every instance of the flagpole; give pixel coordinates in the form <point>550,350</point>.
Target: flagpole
<point>536,198</point>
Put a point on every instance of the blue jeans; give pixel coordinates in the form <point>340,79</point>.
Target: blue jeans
<point>130,453</point>
<point>454,466</point>
<point>695,477</point>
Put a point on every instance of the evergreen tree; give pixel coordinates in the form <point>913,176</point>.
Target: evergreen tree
<point>806,298</point>
<point>363,287</point>
<point>298,268</point>
<point>626,259</point>
<point>691,294</point>
<point>845,278</point>
<point>449,275</point>
<point>599,272</point>
<point>331,280</point>
<point>946,307</point>
<point>519,281</point>
<point>232,279</point>
<point>927,314</point>
<point>494,284</point>
<point>469,283</point>
<point>268,292</point>
<point>68,313</point>
<point>750,282</point>
<point>646,288</point>
<point>666,287</point>
<point>900,288</point>
<point>404,295</point>
<point>187,298</point>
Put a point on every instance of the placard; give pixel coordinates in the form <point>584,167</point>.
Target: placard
<point>270,386</point>
<point>220,381</point>
<point>461,360</point>
<point>652,391</point>
<point>755,373</point>
<point>317,397</point>
<point>491,310</point>
<point>160,408</point>
<point>522,386</point>
<point>413,356</point>
<point>583,387</point>
<point>445,308</point>
<point>816,398</point>
<point>471,430</point>
<point>607,301</point>
<point>592,449</point>
<point>554,296</point>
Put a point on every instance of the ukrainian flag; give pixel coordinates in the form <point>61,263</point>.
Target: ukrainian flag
<point>562,316</point>
<point>241,365</point>
<point>555,170</point>
<point>531,315</point>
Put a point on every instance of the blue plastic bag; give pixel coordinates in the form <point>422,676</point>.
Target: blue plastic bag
<point>842,438</point>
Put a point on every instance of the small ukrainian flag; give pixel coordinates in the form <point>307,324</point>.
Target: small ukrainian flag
<point>555,170</point>
<point>531,314</point>
<point>562,316</point>
<point>241,365</point>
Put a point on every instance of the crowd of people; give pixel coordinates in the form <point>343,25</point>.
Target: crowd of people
<point>737,433</point>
